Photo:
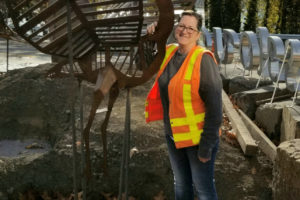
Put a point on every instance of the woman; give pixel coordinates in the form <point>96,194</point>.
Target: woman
<point>187,96</point>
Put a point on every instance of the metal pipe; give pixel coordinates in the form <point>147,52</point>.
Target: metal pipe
<point>278,78</point>
<point>7,54</point>
<point>70,48</point>
<point>83,178</point>
<point>123,184</point>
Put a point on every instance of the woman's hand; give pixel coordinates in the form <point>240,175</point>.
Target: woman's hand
<point>151,28</point>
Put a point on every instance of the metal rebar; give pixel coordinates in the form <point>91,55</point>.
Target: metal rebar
<point>83,177</point>
<point>262,69</point>
<point>123,184</point>
<point>7,54</point>
<point>70,48</point>
<point>280,71</point>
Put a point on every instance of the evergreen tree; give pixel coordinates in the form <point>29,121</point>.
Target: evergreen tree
<point>293,17</point>
<point>206,12</point>
<point>251,19</point>
<point>232,14</point>
<point>273,17</point>
<point>266,12</point>
<point>215,14</point>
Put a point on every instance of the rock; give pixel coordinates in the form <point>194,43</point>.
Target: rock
<point>286,172</point>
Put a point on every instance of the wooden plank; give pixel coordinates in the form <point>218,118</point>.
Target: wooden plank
<point>264,143</point>
<point>244,138</point>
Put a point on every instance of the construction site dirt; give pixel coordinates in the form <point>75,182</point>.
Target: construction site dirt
<point>36,145</point>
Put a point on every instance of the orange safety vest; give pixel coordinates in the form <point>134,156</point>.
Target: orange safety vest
<point>186,108</point>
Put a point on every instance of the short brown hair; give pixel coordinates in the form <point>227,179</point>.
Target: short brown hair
<point>194,14</point>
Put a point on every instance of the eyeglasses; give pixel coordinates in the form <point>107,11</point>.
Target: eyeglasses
<point>189,30</point>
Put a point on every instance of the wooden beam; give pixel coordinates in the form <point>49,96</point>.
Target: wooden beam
<point>264,143</point>
<point>244,138</point>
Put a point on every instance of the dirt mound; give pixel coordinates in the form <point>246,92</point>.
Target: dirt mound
<point>35,111</point>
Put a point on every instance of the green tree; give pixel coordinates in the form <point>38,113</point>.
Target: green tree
<point>206,12</point>
<point>251,18</point>
<point>215,13</point>
<point>273,15</point>
<point>232,14</point>
<point>266,13</point>
<point>289,20</point>
<point>224,14</point>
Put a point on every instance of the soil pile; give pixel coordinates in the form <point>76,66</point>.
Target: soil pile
<point>35,122</point>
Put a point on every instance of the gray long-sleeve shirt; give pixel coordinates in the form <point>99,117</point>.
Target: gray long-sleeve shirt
<point>210,91</point>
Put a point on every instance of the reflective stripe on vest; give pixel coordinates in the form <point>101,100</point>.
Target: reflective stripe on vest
<point>187,110</point>
<point>153,106</point>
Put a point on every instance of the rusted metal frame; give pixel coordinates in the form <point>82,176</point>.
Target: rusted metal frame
<point>70,31</point>
<point>42,15</point>
<point>119,24</point>
<point>59,40</point>
<point>113,21</point>
<point>150,19</point>
<point>118,43</point>
<point>7,54</point>
<point>82,47</point>
<point>118,58</point>
<point>175,3</point>
<point>17,7</point>
<point>56,30</point>
<point>136,68</point>
<point>124,169</point>
<point>100,52</point>
<point>130,60</point>
<point>89,50</point>
<point>12,14</point>
<point>110,11</point>
<point>121,67</point>
<point>84,21</point>
<point>61,49</point>
<point>76,48</point>
<point>30,10</point>
<point>53,21</point>
<point>104,3</point>
<point>115,32</point>
<point>140,26</point>
<point>129,37</point>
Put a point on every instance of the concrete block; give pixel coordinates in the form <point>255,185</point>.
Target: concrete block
<point>248,101</point>
<point>290,126</point>
<point>243,83</point>
<point>269,117</point>
<point>286,172</point>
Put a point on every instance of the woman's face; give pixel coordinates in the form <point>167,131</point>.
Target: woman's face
<point>186,31</point>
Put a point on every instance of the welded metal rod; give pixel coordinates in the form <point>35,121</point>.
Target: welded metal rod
<point>69,28</point>
<point>123,184</point>
<point>280,71</point>
<point>7,54</point>
<point>257,84</point>
<point>83,177</point>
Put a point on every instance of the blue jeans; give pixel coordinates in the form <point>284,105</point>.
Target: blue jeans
<point>189,171</point>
